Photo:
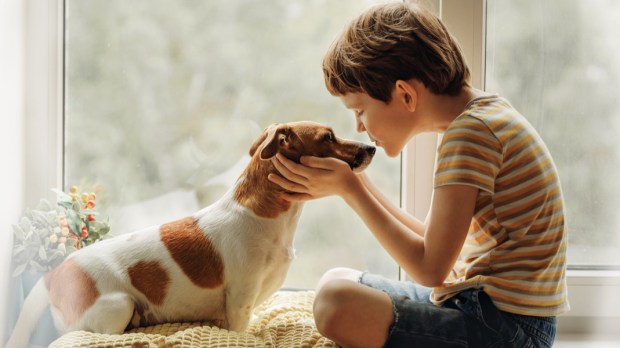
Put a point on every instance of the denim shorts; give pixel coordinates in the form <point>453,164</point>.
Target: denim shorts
<point>469,319</point>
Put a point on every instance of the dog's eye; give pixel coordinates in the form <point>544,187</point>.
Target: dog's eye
<point>329,137</point>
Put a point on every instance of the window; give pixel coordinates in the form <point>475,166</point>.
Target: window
<point>558,62</point>
<point>592,294</point>
<point>164,98</point>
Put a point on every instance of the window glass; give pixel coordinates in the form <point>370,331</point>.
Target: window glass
<point>558,62</point>
<point>164,98</point>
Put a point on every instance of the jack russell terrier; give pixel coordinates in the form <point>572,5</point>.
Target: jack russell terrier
<point>216,265</point>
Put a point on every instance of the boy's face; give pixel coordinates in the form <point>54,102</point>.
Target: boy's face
<point>387,125</point>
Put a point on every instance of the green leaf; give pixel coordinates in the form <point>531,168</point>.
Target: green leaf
<point>25,224</point>
<point>29,235</point>
<point>74,221</point>
<point>19,270</point>
<point>52,217</point>
<point>43,233</point>
<point>45,205</point>
<point>66,205</point>
<point>18,232</point>
<point>39,217</point>
<point>104,230</point>
<point>36,266</point>
<point>55,254</point>
<point>93,236</point>
<point>18,249</point>
<point>42,253</point>
<point>61,196</point>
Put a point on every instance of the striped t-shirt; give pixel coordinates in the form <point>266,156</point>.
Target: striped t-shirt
<point>516,245</point>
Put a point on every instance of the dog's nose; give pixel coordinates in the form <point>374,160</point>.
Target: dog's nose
<point>371,150</point>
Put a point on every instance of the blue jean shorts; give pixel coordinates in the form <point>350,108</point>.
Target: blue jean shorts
<point>469,319</point>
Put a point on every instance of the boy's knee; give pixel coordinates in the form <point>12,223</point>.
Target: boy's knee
<point>330,306</point>
<point>338,273</point>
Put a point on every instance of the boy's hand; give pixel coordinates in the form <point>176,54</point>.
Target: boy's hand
<point>315,177</point>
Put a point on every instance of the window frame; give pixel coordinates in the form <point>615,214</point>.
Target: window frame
<point>44,141</point>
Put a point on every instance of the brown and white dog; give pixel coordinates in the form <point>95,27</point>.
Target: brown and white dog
<point>216,265</point>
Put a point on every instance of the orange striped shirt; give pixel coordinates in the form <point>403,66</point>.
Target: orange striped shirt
<point>516,245</point>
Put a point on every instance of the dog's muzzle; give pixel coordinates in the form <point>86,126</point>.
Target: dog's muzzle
<point>363,157</point>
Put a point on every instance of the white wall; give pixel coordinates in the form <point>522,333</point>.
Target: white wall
<point>11,137</point>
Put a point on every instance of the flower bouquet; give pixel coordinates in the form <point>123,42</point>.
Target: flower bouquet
<point>45,236</point>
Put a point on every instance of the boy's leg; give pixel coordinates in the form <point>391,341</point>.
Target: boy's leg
<point>352,314</point>
<point>366,310</point>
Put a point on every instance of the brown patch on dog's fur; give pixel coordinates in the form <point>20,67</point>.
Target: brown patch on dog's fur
<point>193,251</point>
<point>257,193</point>
<point>151,279</point>
<point>71,290</point>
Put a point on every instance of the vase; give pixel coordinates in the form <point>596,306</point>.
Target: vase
<point>44,332</point>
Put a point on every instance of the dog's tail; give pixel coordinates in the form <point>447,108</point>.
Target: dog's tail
<point>35,304</point>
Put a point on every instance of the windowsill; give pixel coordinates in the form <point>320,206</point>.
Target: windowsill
<point>585,277</point>
<point>595,310</point>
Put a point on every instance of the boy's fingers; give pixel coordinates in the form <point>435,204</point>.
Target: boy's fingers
<point>286,172</point>
<point>293,167</point>
<point>327,163</point>
<point>286,184</point>
<point>296,197</point>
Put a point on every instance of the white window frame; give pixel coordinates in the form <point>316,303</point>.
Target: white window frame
<point>595,307</point>
<point>44,99</point>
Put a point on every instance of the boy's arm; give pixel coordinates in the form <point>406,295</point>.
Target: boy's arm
<point>428,259</point>
<point>408,220</point>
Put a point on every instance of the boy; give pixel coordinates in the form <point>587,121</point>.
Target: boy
<point>489,261</point>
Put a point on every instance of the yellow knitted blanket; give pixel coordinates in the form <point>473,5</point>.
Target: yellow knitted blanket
<point>284,320</point>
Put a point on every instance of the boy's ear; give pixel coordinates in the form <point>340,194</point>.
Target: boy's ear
<point>407,94</point>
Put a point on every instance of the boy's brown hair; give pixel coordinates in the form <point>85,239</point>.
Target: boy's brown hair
<point>390,42</point>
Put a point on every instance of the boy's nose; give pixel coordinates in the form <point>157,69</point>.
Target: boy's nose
<point>360,127</point>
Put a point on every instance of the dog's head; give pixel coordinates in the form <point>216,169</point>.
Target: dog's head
<point>305,138</point>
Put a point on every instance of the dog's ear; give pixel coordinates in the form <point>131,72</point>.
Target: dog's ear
<point>273,137</point>
<point>276,138</point>
<point>258,142</point>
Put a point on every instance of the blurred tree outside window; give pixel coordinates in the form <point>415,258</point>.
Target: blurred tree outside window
<point>558,62</point>
<point>164,98</point>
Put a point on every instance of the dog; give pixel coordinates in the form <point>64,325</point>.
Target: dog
<point>216,265</point>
